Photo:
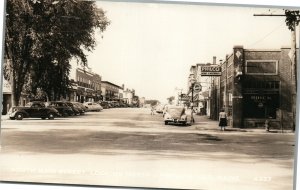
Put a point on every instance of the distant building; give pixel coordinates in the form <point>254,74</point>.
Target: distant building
<point>86,86</point>
<point>128,96</point>
<point>7,94</point>
<point>111,91</point>
<point>142,101</point>
<point>199,99</point>
<point>6,98</point>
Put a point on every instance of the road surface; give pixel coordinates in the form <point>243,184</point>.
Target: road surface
<point>131,147</point>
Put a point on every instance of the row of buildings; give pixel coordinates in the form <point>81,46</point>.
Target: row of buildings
<point>86,86</point>
<point>251,85</point>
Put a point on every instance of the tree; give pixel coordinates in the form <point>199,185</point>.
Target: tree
<point>42,37</point>
<point>292,18</point>
<point>170,99</point>
<point>152,102</point>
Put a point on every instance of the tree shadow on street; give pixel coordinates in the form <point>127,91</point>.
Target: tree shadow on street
<point>162,144</point>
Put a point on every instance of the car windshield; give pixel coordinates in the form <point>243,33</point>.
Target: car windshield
<point>175,111</point>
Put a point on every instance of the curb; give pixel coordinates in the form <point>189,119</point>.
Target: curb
<point>4,117</point>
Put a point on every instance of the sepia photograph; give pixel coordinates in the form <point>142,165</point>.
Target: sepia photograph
<point>149,95</point>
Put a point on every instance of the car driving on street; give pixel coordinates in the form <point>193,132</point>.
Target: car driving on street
<point>175,115</point>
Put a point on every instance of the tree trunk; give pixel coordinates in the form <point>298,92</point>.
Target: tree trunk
<point>13,90</point>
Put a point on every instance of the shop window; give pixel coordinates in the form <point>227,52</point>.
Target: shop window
<point>261,106</point>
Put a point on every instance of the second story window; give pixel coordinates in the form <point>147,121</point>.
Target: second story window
<point>261,67</point>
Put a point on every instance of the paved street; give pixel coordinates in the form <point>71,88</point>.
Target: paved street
<point>130,147</point>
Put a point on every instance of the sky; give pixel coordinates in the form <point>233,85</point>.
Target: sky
<point>150,47</point>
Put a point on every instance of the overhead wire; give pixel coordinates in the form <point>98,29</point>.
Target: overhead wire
<point>267,35</point>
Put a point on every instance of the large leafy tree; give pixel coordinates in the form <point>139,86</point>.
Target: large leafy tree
<point>292,18</point>
<point>42,37</point>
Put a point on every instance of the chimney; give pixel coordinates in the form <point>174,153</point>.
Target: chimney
<point>214,60</point>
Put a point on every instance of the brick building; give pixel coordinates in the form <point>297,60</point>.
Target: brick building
<point>255,85</point>
<point>111,91</point>
<point>86,86</point>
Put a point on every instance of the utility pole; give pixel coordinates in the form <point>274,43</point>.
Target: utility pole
<point>192,117</point>
<point>293,58</point>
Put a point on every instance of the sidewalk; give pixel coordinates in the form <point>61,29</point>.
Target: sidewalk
<point>202,122</point>
<point>4,117</point>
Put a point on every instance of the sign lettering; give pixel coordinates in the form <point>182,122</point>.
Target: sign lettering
<point>211,70</point>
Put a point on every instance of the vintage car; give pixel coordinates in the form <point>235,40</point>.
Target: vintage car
<point>159,108</point>
<point>81,108</point>
<point>33,110</point>
<point>61,107</point>
<point>104,104</point>
<point>92,106</point>
<point>75,108</point>
<point>176,115</point>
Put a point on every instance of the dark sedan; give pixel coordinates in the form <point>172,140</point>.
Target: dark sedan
<point>33,110</point>
<point>62,108</point>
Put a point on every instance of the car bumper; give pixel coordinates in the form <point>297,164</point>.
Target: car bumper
<point>176,121</point>
<point>11,114</point>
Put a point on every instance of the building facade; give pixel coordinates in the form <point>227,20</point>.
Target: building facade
<point>142,101</point>
<point>85,87</point>
<point>201,100</point>
<point>255,85</point>
<point>110,91</point>
<point>128,96</point>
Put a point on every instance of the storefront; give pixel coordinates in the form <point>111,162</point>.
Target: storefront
<point>256,85</point>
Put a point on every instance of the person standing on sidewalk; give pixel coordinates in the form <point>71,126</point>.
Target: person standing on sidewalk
<point>222,120</point>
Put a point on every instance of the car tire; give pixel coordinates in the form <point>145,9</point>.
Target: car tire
<point>166,123</point>
<point>65,114</point>
<point>43,118</point>
<point>51,116</point>
<point>19,116</point>
<point>12,118</point>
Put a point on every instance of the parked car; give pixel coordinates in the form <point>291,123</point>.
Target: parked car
<point>74,108</point>
<point>80,106</point>
<point>176,115</point>
<point>33,110</point>
<point>92,106</point>
<point>104,104</point>
<point>123,105</point>
<point>61,107</point>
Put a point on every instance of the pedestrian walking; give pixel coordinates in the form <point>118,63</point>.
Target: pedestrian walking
<point>267,125</point>
<point>152,110</point>
<point>222,120</point>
